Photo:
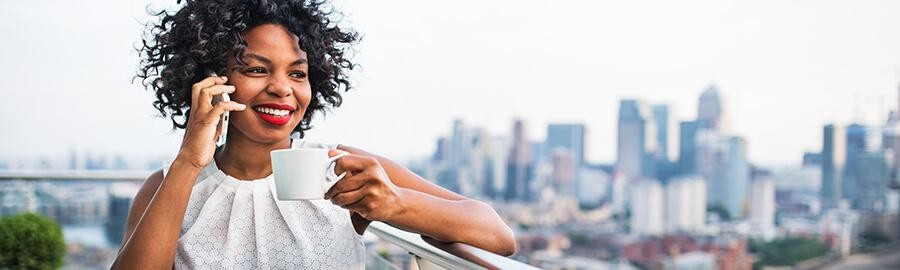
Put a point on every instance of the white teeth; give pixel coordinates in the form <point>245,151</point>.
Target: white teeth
<point>276,112</point>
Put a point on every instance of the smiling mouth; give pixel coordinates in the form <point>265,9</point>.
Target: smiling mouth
<point>271,111</point>
<point>274,114</point>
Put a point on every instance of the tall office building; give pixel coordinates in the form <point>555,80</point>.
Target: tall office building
<point>833,157</point>
<point>567,136</point>
<point>710,112</point>
<point>665,167</point>
<point>441,151</point>
<point>478,169</point>
<point>737,175</point>
<point>722,161</point>
<point>568,140</point>
<point>519,167</point>
<point>687,147</point>
<point>872,178</point>
<point>460,144</point>
<point>495,179</point>
<point>662,120</point>
<point>636,142</point>
<point>860,140</point>
<point>647,216</point>
<point>685,204</point>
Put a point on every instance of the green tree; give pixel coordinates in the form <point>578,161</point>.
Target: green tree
<point>30,241</point>
<point>787,251</point>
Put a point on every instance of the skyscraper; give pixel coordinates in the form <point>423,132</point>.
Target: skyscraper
<point>568,136</point>
<point>722,161</point>
<point>495,179</point>
<point>566,139</point>
<point>441,151</point>
<point>479,164</point>
<point>860,140</point>
<point>460,144</point>
<point>872,175</point>
<point>519,166</point>
<point>710,111</point>
<point>687,147</point>
<point>833,157</point>
<point>737,175</point>
<point>661,118</point>
<point>636,141</point>
<point>665,167</point>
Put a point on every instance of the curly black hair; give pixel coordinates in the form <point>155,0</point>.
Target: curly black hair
<point>202,34</point>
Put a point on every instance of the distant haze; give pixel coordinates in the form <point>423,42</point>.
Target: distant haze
<point>784,68</point>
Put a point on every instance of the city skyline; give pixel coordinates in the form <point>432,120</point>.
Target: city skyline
<point>807,63</point>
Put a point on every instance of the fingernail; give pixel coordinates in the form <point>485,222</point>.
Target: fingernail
<point>224,78</point>
<point>242,106</point>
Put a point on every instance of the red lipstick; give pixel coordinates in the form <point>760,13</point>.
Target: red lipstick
<point>274,113</point>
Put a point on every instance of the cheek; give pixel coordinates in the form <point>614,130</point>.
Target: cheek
<point>244,92</point>
<point>304,95</point>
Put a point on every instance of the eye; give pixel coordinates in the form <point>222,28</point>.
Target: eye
<point>299,74</point>
<point>257,70</point>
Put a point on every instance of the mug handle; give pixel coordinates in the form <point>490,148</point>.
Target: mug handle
<point>330,178</point>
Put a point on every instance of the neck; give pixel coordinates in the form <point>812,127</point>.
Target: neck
<point>243,158</point>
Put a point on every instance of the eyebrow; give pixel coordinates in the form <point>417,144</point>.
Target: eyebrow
<point>299,61</point>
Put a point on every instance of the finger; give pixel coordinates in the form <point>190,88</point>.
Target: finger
<point>363,207</point>
<point>335,152</point>
<point>349,197</point>
<point>220,108</point>
<point>206,94</point>
<point>354,163</point>
<point>349,183</point>
<point>216,113</point>
<point>210,81</point>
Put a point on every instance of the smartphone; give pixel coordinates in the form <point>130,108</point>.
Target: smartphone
<point>224,121</point>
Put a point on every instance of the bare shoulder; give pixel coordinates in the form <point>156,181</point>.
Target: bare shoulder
<point>150,186</point>
<point>142,199</point>
<point>145,194</point>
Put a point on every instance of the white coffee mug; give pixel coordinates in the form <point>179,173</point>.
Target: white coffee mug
<point>304,174</point>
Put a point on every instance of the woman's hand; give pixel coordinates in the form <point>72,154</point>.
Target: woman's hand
<point>366,189</point>
<point>199,142</point>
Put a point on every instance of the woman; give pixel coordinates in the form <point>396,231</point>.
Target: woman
<point>282,61</point>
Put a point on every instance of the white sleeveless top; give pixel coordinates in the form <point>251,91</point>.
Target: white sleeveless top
<point>235,224</point>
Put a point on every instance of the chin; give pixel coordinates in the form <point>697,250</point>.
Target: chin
<point>270,136</point>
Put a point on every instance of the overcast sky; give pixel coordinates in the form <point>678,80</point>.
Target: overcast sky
<point>785,68</point>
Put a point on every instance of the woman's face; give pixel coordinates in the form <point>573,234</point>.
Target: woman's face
<point>274,84</point>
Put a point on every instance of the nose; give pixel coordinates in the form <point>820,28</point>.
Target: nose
<point>279,86</point>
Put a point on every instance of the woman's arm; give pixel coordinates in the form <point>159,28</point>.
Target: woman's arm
<point>154,222</point>
<point>417,205</point>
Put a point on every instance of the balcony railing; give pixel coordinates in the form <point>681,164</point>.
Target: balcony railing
<point>427,253</point>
